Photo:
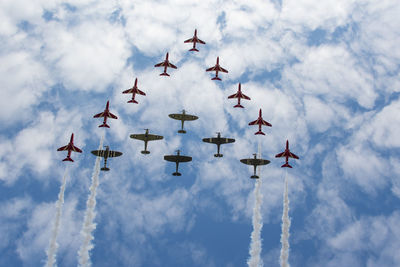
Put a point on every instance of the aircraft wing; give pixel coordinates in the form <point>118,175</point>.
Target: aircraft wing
<point>212,69</point>
<point>99,153</point>
<point>140,92</point>
<point>170,65</point>
<point>138,136</point>
<point>153,137</point>
<point>177,158</point>
<point>76,149</point>
<point>184,117</point>
<point>221,69</point>
<point>235,95</point>
<point>266,123</point>
<point>150,137</point>
<point>134,91</point>
<point>111,115</point>
<point>201,41</point>
<point>99,115</point>
<point>191,40</point>
<point>293,155</point>
<point>227,140</point>
<point>280,155</point>
<point>218,140</point>
<point>245,96</point>
<point>129,91</point>
<point>255,162</point>
<point>112,154</point>
<point>162,64</point>
<point>63,148</point>
<point>253,122</point>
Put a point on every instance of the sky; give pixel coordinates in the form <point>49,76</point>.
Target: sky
<point>325,73</point>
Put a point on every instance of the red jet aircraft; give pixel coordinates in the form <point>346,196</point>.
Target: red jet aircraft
<point>70,147</point>
<point>260,122</point>
<point>194,40</point>
<point>217,68</point>
<point>165,64</point>
<point>287,154</point>
<point>106,114</point>
<point>134,90</point>
<point>239,95</point>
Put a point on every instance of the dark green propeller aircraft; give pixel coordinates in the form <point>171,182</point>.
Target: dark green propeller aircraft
<point>183,117</point>
<point>106,154</point>
<point>255,162</point>
<point>218,141</point>
<point>146,137</point>
<point>177,159</point>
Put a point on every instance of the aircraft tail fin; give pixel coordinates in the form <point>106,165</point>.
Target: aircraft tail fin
<point>194,49</point>
<point>238,106</point>
<point>105,169</point>
<point>254,177</point>
<point>133,101</point>
<point>182,131</point>
<point>176,174</point>
<point>164,74</point>
<point>260,132</point>
<point>216,78</point>
<point>68,159</point>
<point>218,155</point>
<point>146,152</point>
<point>286,165</point>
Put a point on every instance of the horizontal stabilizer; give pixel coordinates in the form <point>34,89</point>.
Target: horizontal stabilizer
<point>145,152</point>
<point>238,106</point>
<point>182,131</point>
<point>254,177</point>
<point>68,159</point>
<point>105,169</point>
<point>259,132</point>
<point>176,174</point>
<point>104,125</point>
<point>133,101</point>
<point>218,155</point>
<point>194,49</point>
<point>216,78</point>
<point>286,165</point>
<point>164,74</point>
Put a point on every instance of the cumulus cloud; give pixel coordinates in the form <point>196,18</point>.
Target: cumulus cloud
<point>320,96</point>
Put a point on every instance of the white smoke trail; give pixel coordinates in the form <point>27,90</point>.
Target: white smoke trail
<point>284,259</point>
<point>52,249</point>
<point>256,245</point>
<point>90,214</point>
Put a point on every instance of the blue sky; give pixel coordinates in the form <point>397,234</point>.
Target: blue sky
<point>325,73</point>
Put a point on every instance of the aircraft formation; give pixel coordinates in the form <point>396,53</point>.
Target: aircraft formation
<point>178,158</point>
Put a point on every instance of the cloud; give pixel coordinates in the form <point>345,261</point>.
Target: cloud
<point>21,87</point>
<point>332,73</point>
<point>377,234</point>
<point>87,56</point>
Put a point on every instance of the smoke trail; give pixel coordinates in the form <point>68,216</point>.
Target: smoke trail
<point>52,249</point>
<point>90,214</point>
<point>255,245</point>
<point>284,259</point>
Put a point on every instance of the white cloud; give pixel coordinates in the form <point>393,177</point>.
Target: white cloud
<point>332,73</point>
<point>87,56</point>
<point>316,14</point>
<point>21,87</point>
